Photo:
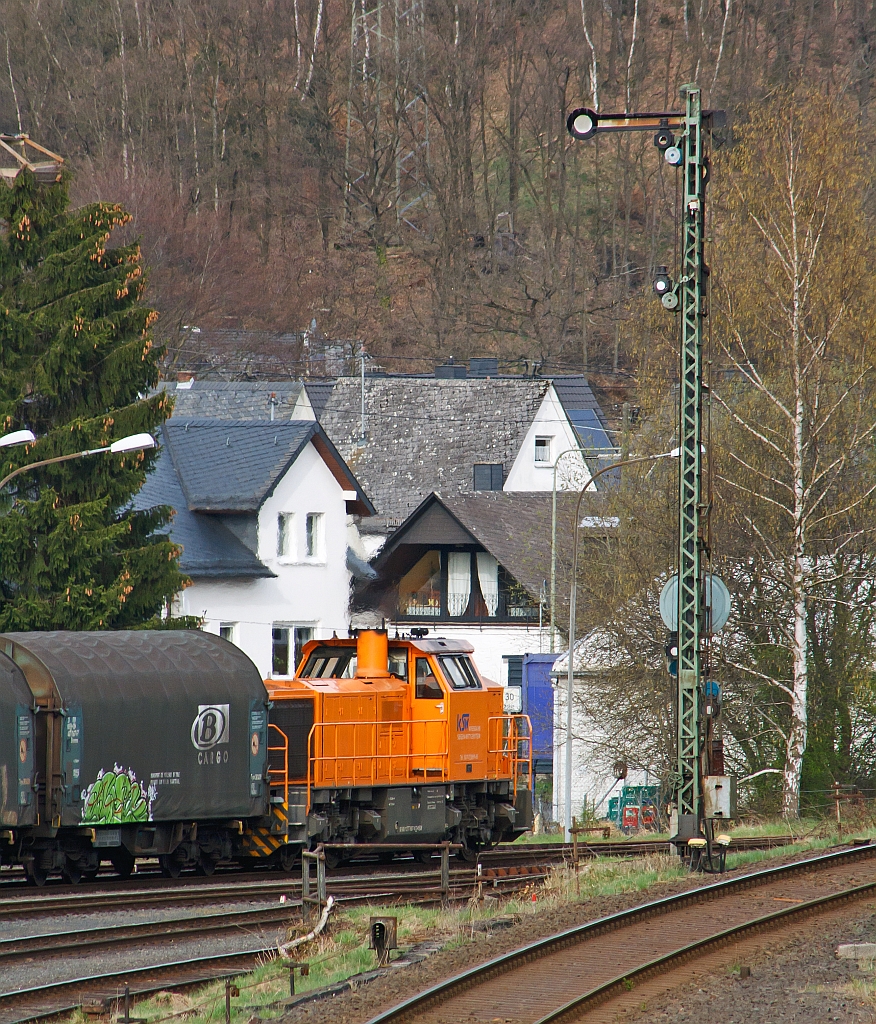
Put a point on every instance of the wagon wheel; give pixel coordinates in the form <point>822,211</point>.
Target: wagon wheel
<point>36,874</point>
<point>71,871</point>
<point>206,865</point>
<point>170,866</point>
<point>122,861</point>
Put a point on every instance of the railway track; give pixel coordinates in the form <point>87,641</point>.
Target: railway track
<point>502,870</point>
<point>501,857</point>
<point>595,972</point>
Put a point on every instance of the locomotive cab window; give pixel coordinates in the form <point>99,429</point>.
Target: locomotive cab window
<point>428,687</point>
<point>459,672</point>
<point>398,663</point>
<point>331,663</point>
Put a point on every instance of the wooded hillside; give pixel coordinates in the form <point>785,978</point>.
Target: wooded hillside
<point>399,169</point>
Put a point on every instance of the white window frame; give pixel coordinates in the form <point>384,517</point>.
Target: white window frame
<point>295,643</point>
<point>286,536</point>
<point>543,442</point>
<point>314,552</point>
<point>229,628</point>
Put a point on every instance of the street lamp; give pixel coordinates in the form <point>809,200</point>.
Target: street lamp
<point>573,598</point>
<point>579,451</point>
<point>133,443</point>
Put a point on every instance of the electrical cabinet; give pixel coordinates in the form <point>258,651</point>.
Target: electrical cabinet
<point>719,793</point>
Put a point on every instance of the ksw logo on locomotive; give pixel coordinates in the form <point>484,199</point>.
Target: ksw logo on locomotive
<point>209,730</point>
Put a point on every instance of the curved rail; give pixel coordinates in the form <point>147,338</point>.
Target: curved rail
<point>445,990</point>
<point>595,997</point>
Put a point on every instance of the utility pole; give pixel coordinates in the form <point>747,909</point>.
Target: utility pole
<point>682,136</point>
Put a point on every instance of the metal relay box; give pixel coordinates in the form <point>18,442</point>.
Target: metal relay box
<point>719,796</point>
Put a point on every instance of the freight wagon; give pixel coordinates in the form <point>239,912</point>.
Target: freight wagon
<point>167,744</point>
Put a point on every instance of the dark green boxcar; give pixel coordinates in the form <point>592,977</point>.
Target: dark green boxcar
<point>144,726</point>
<point>17,796</point>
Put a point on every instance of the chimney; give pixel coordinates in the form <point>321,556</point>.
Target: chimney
<point>483,366</point>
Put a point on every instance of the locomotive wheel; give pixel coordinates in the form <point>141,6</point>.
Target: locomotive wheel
<point>386,857</point>
<point>170,866</point>
<point>71,871</point>
<point>122,861</point>
<point>423,856</point>
<point>332,859</point>
<point>287,858</point>
<point>468,853</point>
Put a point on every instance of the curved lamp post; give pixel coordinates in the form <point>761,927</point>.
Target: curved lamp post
<point>133,443</point>
<point>573,596</point>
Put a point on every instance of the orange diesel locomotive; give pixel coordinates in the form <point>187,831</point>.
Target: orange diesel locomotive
<point>378,740</point>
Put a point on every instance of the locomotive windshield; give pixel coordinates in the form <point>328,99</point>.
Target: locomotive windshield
<point>340,663</point>
<point>459,672</point>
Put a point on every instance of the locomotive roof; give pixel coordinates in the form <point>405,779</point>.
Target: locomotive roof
<point>169,664</point>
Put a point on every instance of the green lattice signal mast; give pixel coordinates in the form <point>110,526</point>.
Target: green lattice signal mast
<point>687,151</point>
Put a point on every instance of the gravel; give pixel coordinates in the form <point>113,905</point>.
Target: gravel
<point>798,982</point>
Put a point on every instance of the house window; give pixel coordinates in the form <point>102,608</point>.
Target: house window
<point>419,591</point>
<point>488,476</point>
<point>313,535</point>
<point>228,631</point>
<point>287,643</point>
<point>280,651</point>
<point>543,449</point>
<point>285,536</point>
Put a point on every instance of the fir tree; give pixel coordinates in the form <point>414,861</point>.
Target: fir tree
<point>76,359</point>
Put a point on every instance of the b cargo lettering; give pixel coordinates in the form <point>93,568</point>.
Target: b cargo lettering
<point>209,730</point>
<point>462,722</point>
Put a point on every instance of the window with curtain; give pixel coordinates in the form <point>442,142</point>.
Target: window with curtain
<point>458,582</point>
<point>419,591</point>
<point>488,578</point>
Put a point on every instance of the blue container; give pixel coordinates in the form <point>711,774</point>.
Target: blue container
<point>538,703</point>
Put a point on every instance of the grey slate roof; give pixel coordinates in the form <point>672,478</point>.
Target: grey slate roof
<point>209,548</point>
<point>252,400</point>
<point>232,466</point>
<point>425,434</point>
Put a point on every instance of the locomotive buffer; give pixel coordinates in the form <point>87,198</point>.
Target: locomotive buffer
<point>699,796</point>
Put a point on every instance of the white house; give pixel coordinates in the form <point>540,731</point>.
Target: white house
<point>265,517</point>
<point>593,782</point>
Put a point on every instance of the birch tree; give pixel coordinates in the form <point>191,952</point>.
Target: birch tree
<point>794,323</point>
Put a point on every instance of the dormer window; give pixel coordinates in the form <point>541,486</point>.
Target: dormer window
<point>543,449</point>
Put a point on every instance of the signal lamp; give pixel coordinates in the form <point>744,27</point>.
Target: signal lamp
<point>582,123</point>
<point>662,282</point>
<point>670,650</point>
<point>664,139</point>
<point>672,155</point>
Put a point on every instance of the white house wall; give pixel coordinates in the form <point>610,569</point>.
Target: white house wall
<point>590,785</point>
<point>313,593</point>
<point>528,475</point>
<point>491,643</point>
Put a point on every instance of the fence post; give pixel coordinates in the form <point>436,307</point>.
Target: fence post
<point>445,872</point>
<point>308,900</point>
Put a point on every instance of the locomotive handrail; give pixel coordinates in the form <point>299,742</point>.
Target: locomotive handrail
<point>374,758</point>
<point>285,770</point>
<point>508,746</point>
